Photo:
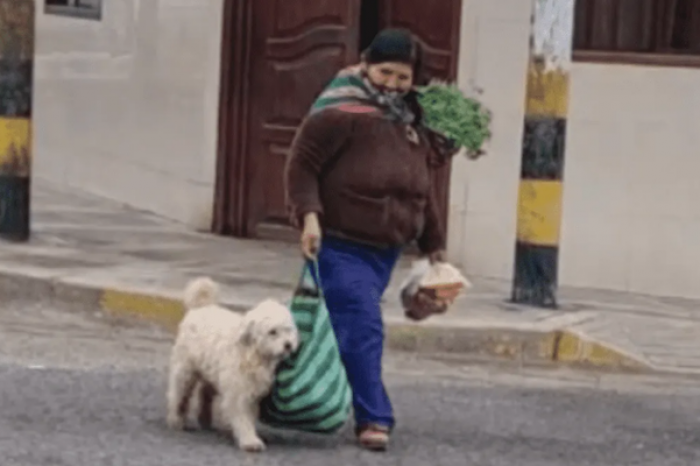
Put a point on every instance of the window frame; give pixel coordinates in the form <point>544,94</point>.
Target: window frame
<point>657,56</point>
<point>74,11</point>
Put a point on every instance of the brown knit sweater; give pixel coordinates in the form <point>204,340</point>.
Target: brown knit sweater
<point>365,179</point>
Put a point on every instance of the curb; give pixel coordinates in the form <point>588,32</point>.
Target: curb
<point>525,346</point>
<point>571,347</point>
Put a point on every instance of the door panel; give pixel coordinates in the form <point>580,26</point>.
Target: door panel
<point>297,47</point>
<point>436,24</point>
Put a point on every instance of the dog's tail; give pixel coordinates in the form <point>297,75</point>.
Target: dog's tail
<point>201,292</point>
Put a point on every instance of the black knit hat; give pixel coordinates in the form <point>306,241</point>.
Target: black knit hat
<point>392,45</point>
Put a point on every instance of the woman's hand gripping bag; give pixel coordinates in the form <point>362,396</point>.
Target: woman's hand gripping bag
<point>429,289</point>
<point>311,392</point>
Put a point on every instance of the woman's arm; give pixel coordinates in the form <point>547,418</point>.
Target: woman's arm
<point>442,149</point>
<point>432,240</point>
<point>318,140</point>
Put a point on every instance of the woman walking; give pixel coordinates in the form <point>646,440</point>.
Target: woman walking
<point>358,185</point>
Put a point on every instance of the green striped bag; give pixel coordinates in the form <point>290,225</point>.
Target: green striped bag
<point>311,392</point>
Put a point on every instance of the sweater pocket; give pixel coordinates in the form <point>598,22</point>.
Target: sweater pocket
<point>364,216</point>
<point>408,219</point>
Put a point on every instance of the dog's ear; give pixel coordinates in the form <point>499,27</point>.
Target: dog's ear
<point>248,334</point>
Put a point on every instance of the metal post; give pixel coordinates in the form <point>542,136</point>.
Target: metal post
<point>16,65</point>
<point>543,146</point>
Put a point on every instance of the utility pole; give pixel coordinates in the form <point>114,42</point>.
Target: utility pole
<point>543,147</point>
<point>16,69</point>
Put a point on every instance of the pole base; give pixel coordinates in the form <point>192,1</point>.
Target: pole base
<point>535,281</point>
<point>14,208</point>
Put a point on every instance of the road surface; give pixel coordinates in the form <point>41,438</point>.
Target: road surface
<point>76,390</point>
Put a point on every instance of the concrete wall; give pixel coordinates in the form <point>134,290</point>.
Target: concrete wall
<point>127,107</point>
<point>631,217</point>
<point>631,191</point>
<point>493,57</point>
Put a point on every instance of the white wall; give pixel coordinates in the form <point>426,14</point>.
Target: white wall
<point>631,217</point>
<point>493,57</point>
<point>127,107</point>
<point>631,190</point>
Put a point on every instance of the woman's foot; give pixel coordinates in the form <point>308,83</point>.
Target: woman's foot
<point>373,437</point>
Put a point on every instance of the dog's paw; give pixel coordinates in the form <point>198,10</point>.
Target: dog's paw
<point>175,422</point>
<point>252,445</point>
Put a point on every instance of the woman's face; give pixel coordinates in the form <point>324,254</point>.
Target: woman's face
<point>390,76</point>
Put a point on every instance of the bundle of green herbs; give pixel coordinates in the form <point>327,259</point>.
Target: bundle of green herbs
<point>462,119</point>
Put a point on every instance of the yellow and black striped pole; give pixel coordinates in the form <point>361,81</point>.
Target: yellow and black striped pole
<point>543,148</point>
<point>16,67</point>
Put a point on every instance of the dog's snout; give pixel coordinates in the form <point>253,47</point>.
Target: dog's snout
<point>288,346</point>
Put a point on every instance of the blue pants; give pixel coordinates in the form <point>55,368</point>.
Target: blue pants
<point>354,277</point>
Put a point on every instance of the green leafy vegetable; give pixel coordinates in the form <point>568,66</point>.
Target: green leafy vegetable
<point>458,117</point>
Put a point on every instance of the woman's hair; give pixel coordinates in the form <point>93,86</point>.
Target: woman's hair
<point>400,46</point>
<point>395,45</point>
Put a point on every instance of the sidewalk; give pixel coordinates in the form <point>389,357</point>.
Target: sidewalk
<point>91,254</point>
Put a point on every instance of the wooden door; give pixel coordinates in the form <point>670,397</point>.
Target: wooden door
<point>296,47</point>
<point>276,56</point>
<point>436,24</point>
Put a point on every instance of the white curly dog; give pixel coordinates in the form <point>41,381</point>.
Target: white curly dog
<point>234,354</point>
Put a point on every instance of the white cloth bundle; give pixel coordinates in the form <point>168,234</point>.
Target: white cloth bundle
<point>424,275</point>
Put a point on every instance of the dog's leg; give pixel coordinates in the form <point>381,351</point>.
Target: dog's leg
<point>240,414</point>
<point>207,392</point>
<point>181,383</point>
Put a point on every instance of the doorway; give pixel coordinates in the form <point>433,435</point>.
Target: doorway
<point>277,55</point>
<point>369,23</point>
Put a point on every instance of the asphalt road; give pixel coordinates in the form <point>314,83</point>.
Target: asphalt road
<point>77,391</point>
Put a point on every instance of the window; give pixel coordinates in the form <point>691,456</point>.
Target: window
<point>655,32</point>
<point>88,9</point>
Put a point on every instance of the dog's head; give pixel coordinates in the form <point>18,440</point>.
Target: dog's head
<point>269,328</point>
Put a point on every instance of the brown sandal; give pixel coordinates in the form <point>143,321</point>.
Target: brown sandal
<point>373,437</point>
